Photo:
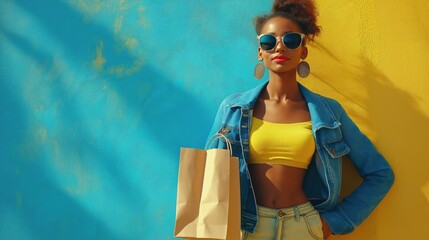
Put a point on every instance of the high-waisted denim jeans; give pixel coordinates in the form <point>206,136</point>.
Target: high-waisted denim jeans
<point>301,222</point>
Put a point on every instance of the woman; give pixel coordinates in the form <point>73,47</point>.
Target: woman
<point>290,142</point>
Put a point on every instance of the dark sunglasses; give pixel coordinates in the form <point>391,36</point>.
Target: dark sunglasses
<point>291,40</point>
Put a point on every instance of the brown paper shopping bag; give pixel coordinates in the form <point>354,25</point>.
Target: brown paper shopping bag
<point>208,194</point>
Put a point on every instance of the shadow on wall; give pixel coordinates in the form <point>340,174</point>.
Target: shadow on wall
<point>51,174</point>
<point>163,106</point>
<point>400,130</point>
<point>402,125</point>
<point>73,153</point>
<point>32,205</point>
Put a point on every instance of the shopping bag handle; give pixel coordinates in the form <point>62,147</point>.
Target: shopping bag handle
<point>217,136</point>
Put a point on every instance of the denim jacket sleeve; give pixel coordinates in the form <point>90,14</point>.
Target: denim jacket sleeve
<point>217,123</point>
<point>377,177</point>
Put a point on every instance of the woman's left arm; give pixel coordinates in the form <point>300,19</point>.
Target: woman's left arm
<point>377,177</point>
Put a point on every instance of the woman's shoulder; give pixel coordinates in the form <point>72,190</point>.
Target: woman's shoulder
<point>333,105</point>
<point>229,100</point>
<point>331,102</point>
<point>232,97</point>
<point>320,102</point>
<point>318,98</point>
<point>244,98</point>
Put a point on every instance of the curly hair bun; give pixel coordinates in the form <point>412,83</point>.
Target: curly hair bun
<point>303,12</point>
<point>292,6</point>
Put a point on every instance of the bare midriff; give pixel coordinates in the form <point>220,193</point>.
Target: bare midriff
<point>277,186</point>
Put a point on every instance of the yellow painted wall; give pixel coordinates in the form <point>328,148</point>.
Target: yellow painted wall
<point>373,57</point>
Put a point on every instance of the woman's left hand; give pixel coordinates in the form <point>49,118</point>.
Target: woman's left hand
<point>325,228</point>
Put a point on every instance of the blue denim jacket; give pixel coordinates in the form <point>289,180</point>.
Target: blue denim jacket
<point>336,136</point>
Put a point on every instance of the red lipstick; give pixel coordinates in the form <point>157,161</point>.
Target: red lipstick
<point>280,59</point>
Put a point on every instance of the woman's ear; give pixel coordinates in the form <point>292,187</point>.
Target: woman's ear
<point>304,52</point>
<point>259,54</point>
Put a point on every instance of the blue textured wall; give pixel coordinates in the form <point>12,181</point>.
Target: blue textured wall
<point>96,99</point>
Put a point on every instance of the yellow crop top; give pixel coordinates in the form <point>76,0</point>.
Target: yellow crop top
<point>290,144</point>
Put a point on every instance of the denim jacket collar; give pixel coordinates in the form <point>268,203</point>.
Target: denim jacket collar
<point>321,113</point>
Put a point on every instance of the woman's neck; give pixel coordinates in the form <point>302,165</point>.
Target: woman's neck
<point>283,87</point>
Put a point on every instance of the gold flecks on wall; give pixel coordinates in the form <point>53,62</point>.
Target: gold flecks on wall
<point>122,70</point>
<point>99,60</point>
<point>40,135</point>
<point>117,26</point>
<point>124,9</point>
<point>89,8</point>
<point>125,5</point>
<point>131,43</point>
<point>142,20</point>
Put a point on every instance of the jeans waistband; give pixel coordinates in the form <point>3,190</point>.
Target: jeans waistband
<point>294,211</point>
